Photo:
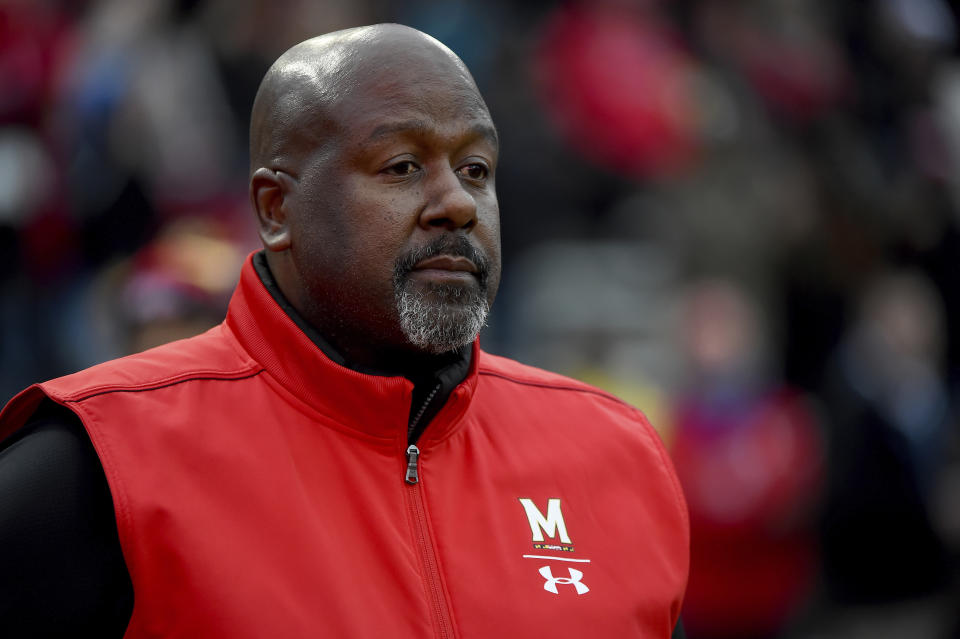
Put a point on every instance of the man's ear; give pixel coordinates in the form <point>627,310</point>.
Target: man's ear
<point>268,192</point>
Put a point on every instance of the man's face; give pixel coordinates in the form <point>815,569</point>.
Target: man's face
<point>394,223</point>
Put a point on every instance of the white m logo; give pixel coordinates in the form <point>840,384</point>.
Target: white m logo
<point>551,524</point>
<point>574,580</point>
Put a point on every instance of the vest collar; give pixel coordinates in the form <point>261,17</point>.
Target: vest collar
<point>375,405</point>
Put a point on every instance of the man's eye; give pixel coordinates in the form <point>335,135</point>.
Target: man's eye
<point>402,168</point>
<point>474,171</point>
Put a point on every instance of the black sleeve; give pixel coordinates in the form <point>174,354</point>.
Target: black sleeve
<point>62,573</point>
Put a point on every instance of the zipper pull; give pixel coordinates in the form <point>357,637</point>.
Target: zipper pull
<point>413,454</point>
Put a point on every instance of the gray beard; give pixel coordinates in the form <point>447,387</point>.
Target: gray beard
<point>443,318</point>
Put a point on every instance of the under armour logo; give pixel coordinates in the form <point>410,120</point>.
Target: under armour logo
<point>574,579</point>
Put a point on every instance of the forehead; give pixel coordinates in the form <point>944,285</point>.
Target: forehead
<point>465,129</point>
<point>388,104</point>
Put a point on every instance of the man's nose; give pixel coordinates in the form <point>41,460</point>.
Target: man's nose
<point>449,204</point>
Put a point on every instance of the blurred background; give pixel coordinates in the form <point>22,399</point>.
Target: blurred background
<point>742,216</point>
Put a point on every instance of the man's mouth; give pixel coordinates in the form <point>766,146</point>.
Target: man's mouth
<point>446,269</point>
<point>447,260</point>
<point>453,263</point>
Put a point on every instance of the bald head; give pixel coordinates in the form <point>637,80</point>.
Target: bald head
<point>298,105</point>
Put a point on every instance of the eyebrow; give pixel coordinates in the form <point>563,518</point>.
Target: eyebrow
<point>477,130</point>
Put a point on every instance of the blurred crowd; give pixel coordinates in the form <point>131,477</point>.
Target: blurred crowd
<point>741,215</point>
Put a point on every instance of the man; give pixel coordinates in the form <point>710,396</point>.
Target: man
<point>339,458</point>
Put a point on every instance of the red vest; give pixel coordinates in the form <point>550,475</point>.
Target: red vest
<point>260,491</point>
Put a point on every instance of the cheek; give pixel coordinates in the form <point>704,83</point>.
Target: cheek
<point>379,236</point>
<point>488,236</point>
<point>384,212</point>
<point>489,228</point>
<point>368,245</point>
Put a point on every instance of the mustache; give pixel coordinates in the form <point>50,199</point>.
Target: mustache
<point>455,245</point>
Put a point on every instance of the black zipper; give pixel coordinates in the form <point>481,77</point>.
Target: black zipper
<point>412,427</point>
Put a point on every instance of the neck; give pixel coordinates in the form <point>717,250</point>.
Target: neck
<point>411,364</point>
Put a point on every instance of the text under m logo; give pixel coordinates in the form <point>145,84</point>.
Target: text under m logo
<point>574,580</point>
<point>551,524</point>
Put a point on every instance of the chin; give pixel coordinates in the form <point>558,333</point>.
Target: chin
<point>437,324</point>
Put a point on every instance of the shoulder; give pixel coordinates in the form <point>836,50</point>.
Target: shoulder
<point>507,374</point>
<point>211,355</point>
<point>519,386</point>
<point>52,438</point>
<point>214,355</point>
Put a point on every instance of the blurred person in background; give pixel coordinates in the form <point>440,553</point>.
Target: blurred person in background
<point>750,456</point>
<point>175,287</point>
<point>890,418</point>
